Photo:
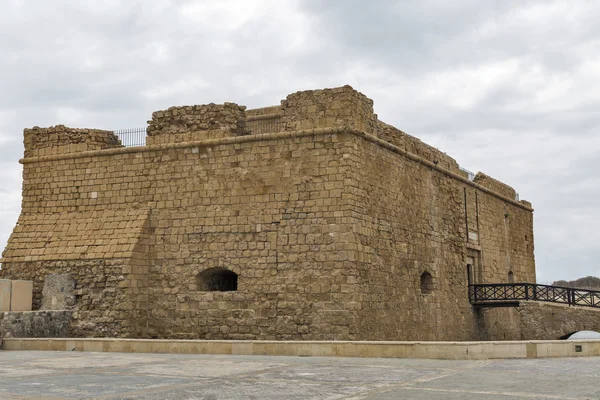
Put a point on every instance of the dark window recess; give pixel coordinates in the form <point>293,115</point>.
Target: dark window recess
<point>426,283</point>
<point>511,277</point>
<point>217,280</point>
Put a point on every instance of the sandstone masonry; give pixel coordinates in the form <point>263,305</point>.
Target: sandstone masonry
<point>308,220</point>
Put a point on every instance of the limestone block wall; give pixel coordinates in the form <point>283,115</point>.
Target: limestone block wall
<point>329,220</point>
<point>269,210</point>
<point>495,185</point>
<point>191,123</point>
<point>104,306</point>
<point>536,321</point>
<point>415,146</point>
<point>58,292</point>
<point>500,239</point>
<point>409,220</point>
<point>60,139</point>
<point>32,324</point>
<point>338,107</point>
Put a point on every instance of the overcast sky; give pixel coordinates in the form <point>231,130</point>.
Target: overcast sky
<point>512,90</point>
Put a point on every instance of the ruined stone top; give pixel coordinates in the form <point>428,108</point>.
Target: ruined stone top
<point>341,107</point>
<point>61,139</point>
<point>189,123</point>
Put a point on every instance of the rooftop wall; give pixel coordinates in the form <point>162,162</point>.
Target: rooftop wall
<point>415,146</point>
<point>303,110</point>
<point>495,185</point>
<point>193,123</point>
<point>60,139</point>
<point>339,107</point>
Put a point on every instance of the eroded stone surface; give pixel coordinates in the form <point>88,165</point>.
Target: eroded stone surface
<point>32,324</point>
<point>58,292</point>
<point>327,216</point>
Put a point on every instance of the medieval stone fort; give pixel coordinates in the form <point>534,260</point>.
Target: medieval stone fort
<point>309,220</point>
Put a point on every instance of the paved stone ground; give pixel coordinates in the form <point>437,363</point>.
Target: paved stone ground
<point>68,375</point>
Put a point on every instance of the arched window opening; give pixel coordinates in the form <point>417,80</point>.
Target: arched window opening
<point>426,283</point>
<point>511,277</point>
<point>217,280</point>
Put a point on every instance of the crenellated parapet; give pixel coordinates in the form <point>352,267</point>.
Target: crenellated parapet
<point>194,123</point>
<point>61,139</point>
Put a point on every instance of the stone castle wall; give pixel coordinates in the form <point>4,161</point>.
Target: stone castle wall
<point>536,321</point>
<point>60,139</point>
<point>328,217</point>
<point>36,324</point>
<point>267,210</point>
<point>411,218</point>
<point>341,107</point>
<point>191,123</point>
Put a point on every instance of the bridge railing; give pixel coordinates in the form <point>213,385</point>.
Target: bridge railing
<point>499,292</point>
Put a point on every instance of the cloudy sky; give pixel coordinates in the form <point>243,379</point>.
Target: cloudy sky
<point>512,89</point>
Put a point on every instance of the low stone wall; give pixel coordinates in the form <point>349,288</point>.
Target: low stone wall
<point>36,324</point>
<point>200,122</point>
<point>325,108</point>
<point>61,139</point>
<point>536,321</point>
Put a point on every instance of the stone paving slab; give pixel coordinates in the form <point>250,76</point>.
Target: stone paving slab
<point>45,375</point>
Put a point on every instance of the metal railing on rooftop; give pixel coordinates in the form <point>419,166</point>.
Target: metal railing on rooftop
<point>131,137</point>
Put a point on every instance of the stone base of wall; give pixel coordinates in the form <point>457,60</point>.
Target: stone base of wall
<point>535,321</point>
<point>36,324</point>
<point>435,350</point>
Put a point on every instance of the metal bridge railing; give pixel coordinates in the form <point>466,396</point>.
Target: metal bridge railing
<point>132,137</point>
<point>499,292</point>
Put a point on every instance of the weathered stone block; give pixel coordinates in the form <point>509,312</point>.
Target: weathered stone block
<point>61,139</point>
<point>5,294</point>
<point>194,123</point>
<point>21,295</point>
<point>58,292</point>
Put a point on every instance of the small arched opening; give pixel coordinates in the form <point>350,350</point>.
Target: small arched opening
<point>426,283</point>
<point>511,277</point>
<point>217,280</point>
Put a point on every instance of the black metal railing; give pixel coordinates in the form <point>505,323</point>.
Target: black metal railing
<point>132,137</point>
<point>506,292</point>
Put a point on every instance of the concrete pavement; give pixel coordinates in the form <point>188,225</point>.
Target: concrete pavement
<point>73,375</point>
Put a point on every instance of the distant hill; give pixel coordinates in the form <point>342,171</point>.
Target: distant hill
<point>589,282</point>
